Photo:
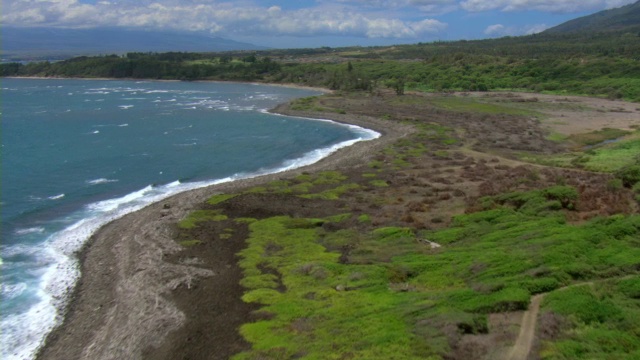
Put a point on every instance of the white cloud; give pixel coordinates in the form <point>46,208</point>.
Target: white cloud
<point>534,29</point>
<point>494,30</point>
<point>217,17</point>
<point>425,7</point>
<point>554,6</point>
<point>499,30</point>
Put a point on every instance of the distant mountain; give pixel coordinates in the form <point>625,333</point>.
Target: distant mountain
<point>626,18</point>
<point>53,43</point>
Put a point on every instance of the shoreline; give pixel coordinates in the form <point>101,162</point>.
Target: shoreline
<point>119,306</point>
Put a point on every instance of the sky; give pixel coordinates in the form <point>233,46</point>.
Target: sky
<point>310,23</point>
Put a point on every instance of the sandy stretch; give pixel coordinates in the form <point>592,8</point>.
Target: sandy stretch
<point>120,307</point>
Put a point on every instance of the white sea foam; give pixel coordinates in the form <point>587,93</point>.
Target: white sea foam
<point>173,184</point>
<point>31,230</point>
<point>17,249</point>
<point>112,204</point>
<point>123,125</point>
<point>12,291</point>
<point>98,92</point>
<point>100,181</point>
<point>125,107</point>
<point>23,333</point>
<point>56,197</point>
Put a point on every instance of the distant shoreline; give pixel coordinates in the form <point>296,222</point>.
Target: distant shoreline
<point>287,85</point>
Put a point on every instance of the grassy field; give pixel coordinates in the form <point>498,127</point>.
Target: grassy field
<point>397,297</point>
<point>608,150</point>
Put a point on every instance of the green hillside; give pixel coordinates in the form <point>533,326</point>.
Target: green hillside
<point>626,18</point>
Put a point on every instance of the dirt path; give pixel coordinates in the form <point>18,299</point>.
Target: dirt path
<point>522,347</point>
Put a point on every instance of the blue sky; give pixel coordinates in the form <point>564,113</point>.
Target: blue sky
<point>311,23</point>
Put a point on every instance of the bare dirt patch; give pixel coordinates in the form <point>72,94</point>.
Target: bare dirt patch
<point>570,115</point>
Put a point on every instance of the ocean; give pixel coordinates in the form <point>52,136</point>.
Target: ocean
<point>76,154</point>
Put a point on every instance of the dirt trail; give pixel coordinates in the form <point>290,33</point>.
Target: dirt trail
<point>522,347</point>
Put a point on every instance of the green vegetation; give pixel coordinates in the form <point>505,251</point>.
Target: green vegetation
<point>306,104</point>
<point>615,151</point>
<point>604,317</point>
<point>378,183</point>
<point>198,216</point>
<point>189,243</point>
<point>216,199</point>
<point>392,296</point>
<point>332,194</point>
<point>603,64</point>
<point>598,137</point>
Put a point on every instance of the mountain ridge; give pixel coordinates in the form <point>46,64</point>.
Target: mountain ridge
<point>60,43</point>
<point>625,18</point>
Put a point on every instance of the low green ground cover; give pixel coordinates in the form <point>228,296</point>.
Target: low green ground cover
<point>393,296</point>
<point>612,157</point>
<point>598,137</point>
<point>606,156</point>
<point>198,216</point>
<point>603,319</point>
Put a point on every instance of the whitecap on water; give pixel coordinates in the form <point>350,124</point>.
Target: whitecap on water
<point>100,181</point>
<point>56,197</point>
<point>96,92</point>
<point>112,204</point>
<point>31,230</point>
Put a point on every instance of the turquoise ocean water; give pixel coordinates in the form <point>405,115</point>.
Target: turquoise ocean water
<point>78,153</point>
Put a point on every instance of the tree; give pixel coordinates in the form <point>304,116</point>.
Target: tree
<point>397,84</point>
<point>250,59</point>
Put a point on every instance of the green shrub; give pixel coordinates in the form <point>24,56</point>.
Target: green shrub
<point>542,285</point>
<point>567,195</point>
<point>195,217</point>
<point>189,243</point>
<point>583,304</point>
<point>630,175</point>
<point>216,199</point>
<point>630,287</point>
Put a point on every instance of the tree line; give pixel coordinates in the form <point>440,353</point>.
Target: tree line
<point>595,66</point>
